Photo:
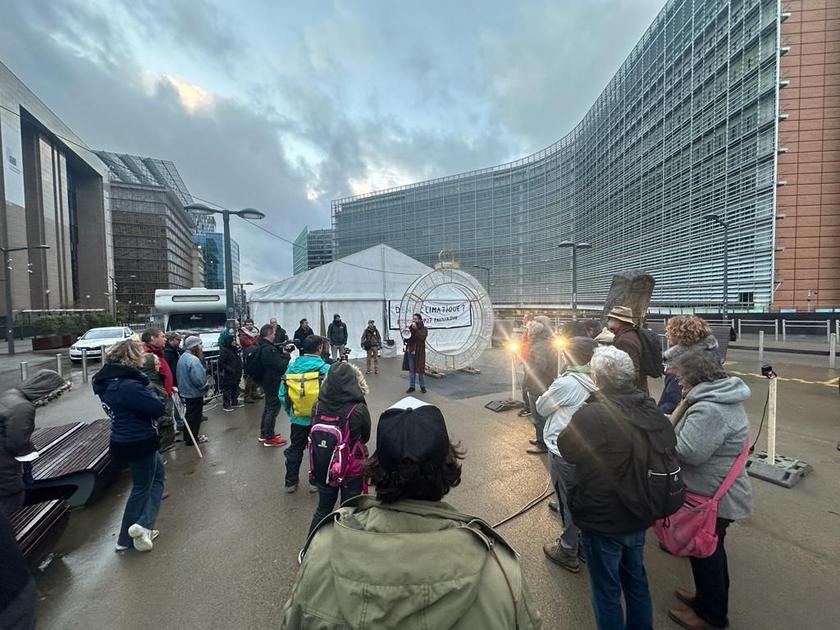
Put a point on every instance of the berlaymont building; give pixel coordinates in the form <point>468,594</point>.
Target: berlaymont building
<point>724,107</point>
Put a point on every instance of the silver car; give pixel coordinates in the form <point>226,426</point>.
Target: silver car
<point>95,338</point>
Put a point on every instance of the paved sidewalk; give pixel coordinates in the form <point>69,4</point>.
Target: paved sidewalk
<point>798,344</point>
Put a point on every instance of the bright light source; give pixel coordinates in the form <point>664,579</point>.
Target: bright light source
<point>513,346</point>
<point>559,343</point>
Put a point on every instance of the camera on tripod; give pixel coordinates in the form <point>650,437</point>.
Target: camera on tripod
<point>767,371</point>
<point>344,357</point>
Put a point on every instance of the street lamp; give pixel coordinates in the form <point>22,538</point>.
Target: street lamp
<point>487,269</point>
<point>242,303</point>
<point>574,247</point>
<point>10,319</point>
<point>246,213</point>
<point>715,218</point>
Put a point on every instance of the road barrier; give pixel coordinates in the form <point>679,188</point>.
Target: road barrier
<point>24,370</point>
<point>759,323</point>
<point>58,365</point>
<point>806,324</point>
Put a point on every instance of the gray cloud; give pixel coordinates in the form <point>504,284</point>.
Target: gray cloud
<point>371,92</point>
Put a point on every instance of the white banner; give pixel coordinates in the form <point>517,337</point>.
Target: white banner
<point>436,315</point>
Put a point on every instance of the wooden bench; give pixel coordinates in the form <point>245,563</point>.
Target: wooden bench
<point>38,526</point>
<point>74,462</point>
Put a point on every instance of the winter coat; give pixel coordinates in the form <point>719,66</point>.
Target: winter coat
<point>281,337</point>
<point>416,345</point>
<point>341,389</point>
<point>337,333</point>
<point>410,564</point>
<point>627,339</point>
<point>172,355</point>
<point>541,362</point>
<point>301,365</point>
<point>371,336</point>
<point>248,336</point>
<point>230,367</point>
<point>672,390</point>
<point>564,397</point>
<point>156,383</point>
<point>274,362</point>
<point>165,372</point>
<point>710,436</point>
<point>192,376</point>
<point>131,406</point>
<point>17,422</point>
<point>301,334</point>
<point>599,441</point>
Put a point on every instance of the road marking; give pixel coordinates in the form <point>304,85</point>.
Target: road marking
<point>832,382</point>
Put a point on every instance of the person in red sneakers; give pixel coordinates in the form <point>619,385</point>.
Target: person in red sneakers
<point>270,366</point>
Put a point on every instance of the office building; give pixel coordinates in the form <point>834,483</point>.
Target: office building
<point>212,247</point>
<point>54,192</point>
<point>153,247</point>
<point>312,248</point>
<point>688,127</point>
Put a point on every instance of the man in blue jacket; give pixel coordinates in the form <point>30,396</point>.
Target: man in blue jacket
<point>310,361</point>
<point>192,385</point>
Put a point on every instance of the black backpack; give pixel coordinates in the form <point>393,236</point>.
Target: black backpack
<point>651,363</point>
<point>253,362</point>
<point>652,486</point>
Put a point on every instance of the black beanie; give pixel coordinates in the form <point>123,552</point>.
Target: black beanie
<point>410,433</point>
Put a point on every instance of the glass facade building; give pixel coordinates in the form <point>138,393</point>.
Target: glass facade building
<point>213,246</point>
<point>312,248</point>
<point>687,127</point>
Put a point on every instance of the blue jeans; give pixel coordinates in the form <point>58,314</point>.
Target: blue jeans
<point>411,373</point>
<point>144,501</point>
<point>616,565</point>
<point>537,420</point>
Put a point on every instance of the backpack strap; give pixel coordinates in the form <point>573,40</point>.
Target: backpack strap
<point>734,471</point>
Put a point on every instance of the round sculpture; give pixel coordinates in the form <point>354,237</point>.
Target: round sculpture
<point>449,349</point>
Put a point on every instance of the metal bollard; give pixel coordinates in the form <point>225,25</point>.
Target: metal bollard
<point>761,347</point>
<point>58,365</point>
<point>84,366</point>
<point>102,355</point>
<point>24,370</point>
<point>832,351</point>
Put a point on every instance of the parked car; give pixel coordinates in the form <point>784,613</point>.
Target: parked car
<point>95,338</point>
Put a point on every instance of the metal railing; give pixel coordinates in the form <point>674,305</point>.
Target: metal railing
<point>807,325</point>
<point>760,324</point>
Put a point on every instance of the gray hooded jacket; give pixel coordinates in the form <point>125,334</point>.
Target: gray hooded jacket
<point>710,436</point>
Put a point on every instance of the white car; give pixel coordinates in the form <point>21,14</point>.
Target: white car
<point>95,338</point>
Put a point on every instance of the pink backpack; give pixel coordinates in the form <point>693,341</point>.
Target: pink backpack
<point>333,458</point>
<point>690,531</point>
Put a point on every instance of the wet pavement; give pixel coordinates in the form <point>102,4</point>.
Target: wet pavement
<point>226,556</point>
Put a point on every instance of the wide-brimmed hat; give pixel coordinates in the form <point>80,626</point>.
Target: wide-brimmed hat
<point>622,314</point>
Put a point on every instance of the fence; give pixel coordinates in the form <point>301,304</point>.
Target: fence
<point>826,325</point>
<point>760,324</point>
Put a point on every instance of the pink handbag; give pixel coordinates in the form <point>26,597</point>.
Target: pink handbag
<point>690,531</point>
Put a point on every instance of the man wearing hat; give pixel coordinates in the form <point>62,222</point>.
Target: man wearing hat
<point>568,393</point>
<point>621,323</point>
<point>192,384</point>
<point>406,559</point>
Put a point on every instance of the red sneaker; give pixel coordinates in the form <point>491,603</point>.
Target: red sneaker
<point>275,441</point>
<point>263,437</point>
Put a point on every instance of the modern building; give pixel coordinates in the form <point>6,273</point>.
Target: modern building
<point>53,192</point>
<point>312,248</point>
<point>212,247</point>
<point>689,126</point>
<point>153,247</point>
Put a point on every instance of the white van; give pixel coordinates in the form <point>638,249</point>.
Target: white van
<point>196,311</point>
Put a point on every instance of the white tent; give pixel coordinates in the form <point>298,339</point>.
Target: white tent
<point>358,287</point>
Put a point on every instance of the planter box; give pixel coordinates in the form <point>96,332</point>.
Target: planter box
<point>50,342</point>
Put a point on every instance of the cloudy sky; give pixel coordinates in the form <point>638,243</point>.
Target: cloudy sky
<point>284,106</point>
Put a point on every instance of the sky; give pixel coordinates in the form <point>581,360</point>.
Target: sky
<point>285,106</point>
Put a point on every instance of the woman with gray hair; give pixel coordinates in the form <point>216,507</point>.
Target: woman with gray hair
<point>712,431</point>
<point>599,441</point>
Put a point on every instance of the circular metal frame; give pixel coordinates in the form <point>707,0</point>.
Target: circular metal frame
<point>448,275</point>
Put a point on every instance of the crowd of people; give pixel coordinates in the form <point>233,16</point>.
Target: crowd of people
<point>425,563</point>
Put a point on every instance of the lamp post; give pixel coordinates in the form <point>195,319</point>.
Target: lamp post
<point>10,318</point>
<point>487,269</point>
<point>243,305</point>
<point>715,218</point>
<point>246,213</point>
<point>574,247</point>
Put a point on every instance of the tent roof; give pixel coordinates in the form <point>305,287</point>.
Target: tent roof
<point>359,276</point>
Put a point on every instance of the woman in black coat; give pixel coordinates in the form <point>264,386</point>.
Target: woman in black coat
<point>230,373</point>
